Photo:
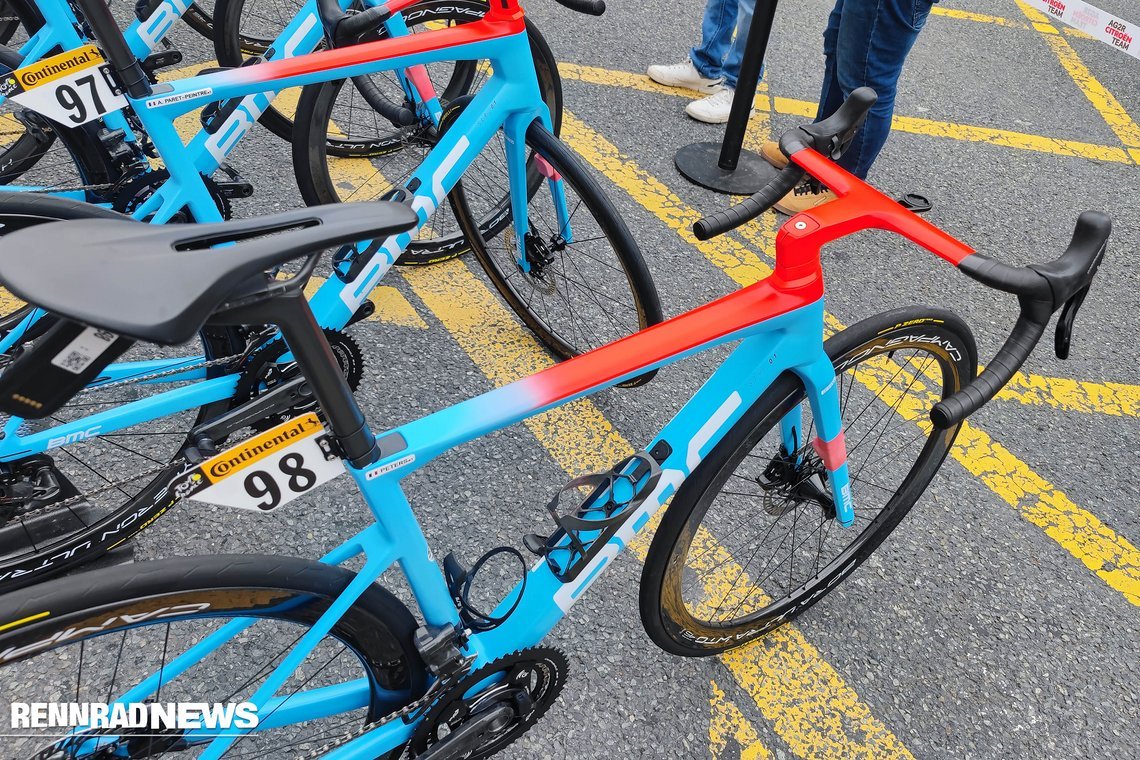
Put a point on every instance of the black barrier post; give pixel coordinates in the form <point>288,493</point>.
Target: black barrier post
<point>725,166</point>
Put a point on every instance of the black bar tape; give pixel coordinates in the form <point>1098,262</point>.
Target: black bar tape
<point>1018,346</point>
<point>589,7</point>
<point>751,207</point>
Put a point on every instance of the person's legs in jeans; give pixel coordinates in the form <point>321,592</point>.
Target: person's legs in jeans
<point>716,36</point>
<point>731,68</point>
<point>866,44</point>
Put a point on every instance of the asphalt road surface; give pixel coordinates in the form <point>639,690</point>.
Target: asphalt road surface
<point>1002,618</point>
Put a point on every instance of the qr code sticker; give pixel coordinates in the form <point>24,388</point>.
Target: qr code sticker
<point>81,352</point>
<point>75,362</point>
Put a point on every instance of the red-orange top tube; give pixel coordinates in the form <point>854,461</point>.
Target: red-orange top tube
<point>858,207</point>
<point>504,18</point>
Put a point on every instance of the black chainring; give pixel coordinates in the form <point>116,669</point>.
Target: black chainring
<point>530,680</point>
<point>134,191</point>
<point>263,371</point>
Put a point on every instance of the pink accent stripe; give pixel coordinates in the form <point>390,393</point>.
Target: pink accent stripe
<point>422,82</point>
<point>545,169</point>
<point>833,452</point>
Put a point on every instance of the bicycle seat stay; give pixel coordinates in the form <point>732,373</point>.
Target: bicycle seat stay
<point>161,283</point>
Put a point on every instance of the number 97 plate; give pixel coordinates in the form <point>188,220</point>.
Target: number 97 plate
<point>265,472</point>
<point>71,88</point>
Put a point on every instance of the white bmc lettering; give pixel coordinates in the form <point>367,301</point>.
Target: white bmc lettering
<point>155,28</point>
<point>78,435</point>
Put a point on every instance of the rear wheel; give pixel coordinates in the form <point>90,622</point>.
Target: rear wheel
<point>750,541</point>
<point>105,632</point>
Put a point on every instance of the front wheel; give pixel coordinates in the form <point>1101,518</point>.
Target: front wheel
<point>98,636</point>
<point>750,540</point>
<point>586,283</point>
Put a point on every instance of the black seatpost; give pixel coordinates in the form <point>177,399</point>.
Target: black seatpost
<point>106,31</point>
<point>292,315</point>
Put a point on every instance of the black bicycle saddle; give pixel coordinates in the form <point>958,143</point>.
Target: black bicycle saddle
<point>160,283</point>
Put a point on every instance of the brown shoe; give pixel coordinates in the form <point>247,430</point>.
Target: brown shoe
<point>770,150</point>
<point>804,198</point>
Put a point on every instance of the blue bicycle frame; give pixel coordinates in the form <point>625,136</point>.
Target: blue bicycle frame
<point>509,100</point>
<point>779,325</point>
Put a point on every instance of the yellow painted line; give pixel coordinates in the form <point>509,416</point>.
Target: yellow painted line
<point>726,721</point>
<point>1064,394</point>
<point>931,127</point>
<point>22,621</point>
<point>733,257</point>
<point>1111,556</point>
<point>579,438</point>
<point>984,18</point>
<point>1106,104</point>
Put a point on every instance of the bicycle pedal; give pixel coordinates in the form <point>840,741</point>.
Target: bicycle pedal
<point>161,60</point>
<point>366,310</point>
<point>235,189</point>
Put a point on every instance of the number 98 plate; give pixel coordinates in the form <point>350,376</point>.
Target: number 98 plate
<point>265,472</point>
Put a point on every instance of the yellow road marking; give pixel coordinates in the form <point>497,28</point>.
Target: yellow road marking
<point>726,721</point>
<point>1064,394</point>
<point>913,125</point>
<point>986,18</point>
<point>1102,100</point>
<point>579,438</point>
<point>1112,557</point>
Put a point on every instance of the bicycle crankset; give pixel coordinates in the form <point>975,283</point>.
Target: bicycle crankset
<point>263,371</point>
<point>466,725</point>
<point>134,191</point>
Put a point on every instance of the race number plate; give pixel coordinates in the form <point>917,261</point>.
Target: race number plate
<point>71,88</point>
<point>265,472</point>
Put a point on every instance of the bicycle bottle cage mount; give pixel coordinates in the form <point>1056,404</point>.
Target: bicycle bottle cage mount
<point>585,530</point>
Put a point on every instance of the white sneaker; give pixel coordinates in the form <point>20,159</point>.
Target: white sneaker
<point>683,75</point>
<point>715,108</point>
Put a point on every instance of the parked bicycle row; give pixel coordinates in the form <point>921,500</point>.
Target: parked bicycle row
<point>167,354</point>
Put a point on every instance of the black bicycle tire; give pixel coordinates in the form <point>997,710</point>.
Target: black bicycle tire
<point>377,628</point>
<point>27,15</point>
<point>573,172</point>
<point>93,164</point>
<point>95,540</point>
<point>663,612</point>
<point>199,20</point>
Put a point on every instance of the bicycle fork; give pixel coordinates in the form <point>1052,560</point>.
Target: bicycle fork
<point>821,384</point>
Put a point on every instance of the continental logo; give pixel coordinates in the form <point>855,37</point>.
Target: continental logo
<point>269,442</point>
<point>58,66</point>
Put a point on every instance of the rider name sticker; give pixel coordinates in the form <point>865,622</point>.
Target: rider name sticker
<point>267,471</point>
<point>70,88</point>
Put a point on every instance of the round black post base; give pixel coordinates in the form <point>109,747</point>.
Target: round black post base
<point>698,163</point>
